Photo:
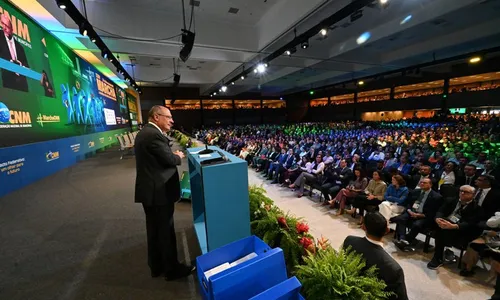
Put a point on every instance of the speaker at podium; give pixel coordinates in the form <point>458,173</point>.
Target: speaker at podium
<point>219,197</point>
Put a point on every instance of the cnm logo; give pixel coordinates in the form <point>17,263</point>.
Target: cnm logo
<point>20,117</point>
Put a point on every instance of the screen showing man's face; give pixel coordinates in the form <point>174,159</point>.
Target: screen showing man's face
<point>6,26</point>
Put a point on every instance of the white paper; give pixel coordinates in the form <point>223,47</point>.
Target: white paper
<point>205,155</point>
<point>217,270</point>
<point>244,259</point>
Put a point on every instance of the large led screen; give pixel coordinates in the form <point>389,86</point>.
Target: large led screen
<point>46,90</point>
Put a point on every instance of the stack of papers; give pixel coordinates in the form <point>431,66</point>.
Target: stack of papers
<point>227,265</point>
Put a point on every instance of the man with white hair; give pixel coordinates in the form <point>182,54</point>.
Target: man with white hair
<point>457,221</point>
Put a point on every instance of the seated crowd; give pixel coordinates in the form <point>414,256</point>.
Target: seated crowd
<point>432,177</point>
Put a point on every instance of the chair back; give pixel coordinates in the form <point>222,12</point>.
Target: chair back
<point>120,140</point>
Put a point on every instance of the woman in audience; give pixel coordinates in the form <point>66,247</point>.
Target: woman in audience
<point>294,172</point>
<point>309,175</point>
<point>448,175</point>
<point>372,196</point>
<point>394,198</point>
<point>354,188</point>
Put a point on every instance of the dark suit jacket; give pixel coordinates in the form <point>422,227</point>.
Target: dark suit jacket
<point>490,205</point>
<point>10,79</point>
<point>415,179</point>
<point>461,180</point>
<point>388,269</point>
<point>470,215</point>
<point>157,180</point>
<point>432,204</point>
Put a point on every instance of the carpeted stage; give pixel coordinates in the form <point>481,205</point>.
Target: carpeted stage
<point>79,235</point>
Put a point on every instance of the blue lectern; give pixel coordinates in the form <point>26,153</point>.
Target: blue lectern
<point>219,197</point>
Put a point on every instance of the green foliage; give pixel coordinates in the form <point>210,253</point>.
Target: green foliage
<point>332,274</point>
<point>257,196</point>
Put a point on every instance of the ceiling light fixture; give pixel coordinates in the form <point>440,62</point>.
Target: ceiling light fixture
<point>383,2</point>
<point>224,88</point>
<point>475,60</point>
<point>232,83</point>
<point>61,4</point>
<point>406,20</point>
<point>323,32</point>
<point>363,38</point>
<point>304,45</point>
<point>83,28</point>
<point>93,39</point>
<point>242,77</point>
<point>290,51</point>
<point>361,82</point>
<point>261,68</point>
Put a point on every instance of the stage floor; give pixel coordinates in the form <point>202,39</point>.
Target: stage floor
<point>421,283</point>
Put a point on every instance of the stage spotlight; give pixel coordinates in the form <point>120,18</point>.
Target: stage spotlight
<point>290,51</point>
<point>220,90</point>
<point>61,4</point>
<point>384,2</point>
<point>311,92</point>
<point>215,93</point>
<point>232,83</point>
<point>261,68</point>
<point>361,82</point>
<point>83,29</point>
<point>304,45</point>
<point>281,98</point>
<point>255,70</point>
<point>475,60</point>
<point>93,39</point>
<point>104,54</point>
<point>363,38</point>
<point>224,88</point>
<point>323,32</point>
<point>242,77</point>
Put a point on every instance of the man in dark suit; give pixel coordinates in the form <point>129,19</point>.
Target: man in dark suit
<point>336,179</point>
<point>425,171</point>
<point>420,214</point>
<point>371,248</point>
<point>12,51</point>
<point>284,166</point>
<point>468,177</point>
<point>487,198</point>
<point>157,188</point>
<point>457,221</point>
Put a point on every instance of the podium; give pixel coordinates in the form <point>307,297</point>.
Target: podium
<point>219,197</point>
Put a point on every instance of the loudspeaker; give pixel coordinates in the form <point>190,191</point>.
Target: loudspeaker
<point>188,42</point>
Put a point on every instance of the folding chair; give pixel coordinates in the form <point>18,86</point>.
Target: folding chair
<point>125,146</point>
<point>131,138</point>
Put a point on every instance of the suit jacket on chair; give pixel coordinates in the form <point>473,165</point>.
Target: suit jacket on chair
<point>157,179</point>
<point>388,269</point>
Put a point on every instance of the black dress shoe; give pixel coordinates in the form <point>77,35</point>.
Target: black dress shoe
<point>156,274</point>
<point>181,272</point>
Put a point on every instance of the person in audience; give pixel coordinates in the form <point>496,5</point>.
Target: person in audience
<point>372,250</point>
<point>489,239</point>
<point>257,160</point>
<point>284,167</point>
<point>487,198</point>
<point>335,179</point>
<point>279,161</point>
<point>373,195</point>
<point>419,215</point>
<point>479,162</point>
<point>377,155</point>
<point>268,160</point>
<point>489,169</point>
<point>310,175</point>
<point>447,176</point>
<point>389,160</point>
<point>354,187</point>
<point>457,225</point>
<point>468,177</point>
<point>403,166</point>
<point>424,172</point>
<point>395,198</point>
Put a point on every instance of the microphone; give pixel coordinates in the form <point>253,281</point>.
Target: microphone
<point>206,151</point>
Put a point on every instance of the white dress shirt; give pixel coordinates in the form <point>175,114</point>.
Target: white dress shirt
<point>156,126</point>
<point>375,242</point>
<point>12,47</point>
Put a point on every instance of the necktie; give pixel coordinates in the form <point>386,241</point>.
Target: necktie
<point>422,193</point>
<point>11,49</point>
<point>478,195</point>
<point>468,180</point>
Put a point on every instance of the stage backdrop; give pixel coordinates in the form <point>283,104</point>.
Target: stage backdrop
<point>46,90</point>
<point>55,108</point>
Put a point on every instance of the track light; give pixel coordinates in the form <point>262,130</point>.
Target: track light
<point>83,28</point>
<point>215,93</point>
<point>290,51</point>
<point>475,60</point>
<point>242,77</point>
<point>384,2</point>
<point>61,4</point>
<point>304,45</point>
<point>323,32</point>
<point>232,83</point>
<point>104,54</point>
<point>261,68</point>
<point>224,88</point>
<point>361,82</point>
<point>93,39</point>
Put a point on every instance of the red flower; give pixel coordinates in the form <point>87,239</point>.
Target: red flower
<point>282,222</point>
<point>302,228</point>
<point>305,242</point>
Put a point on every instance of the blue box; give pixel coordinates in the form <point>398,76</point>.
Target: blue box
<point>245,280</point>
<point>287,290</point>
